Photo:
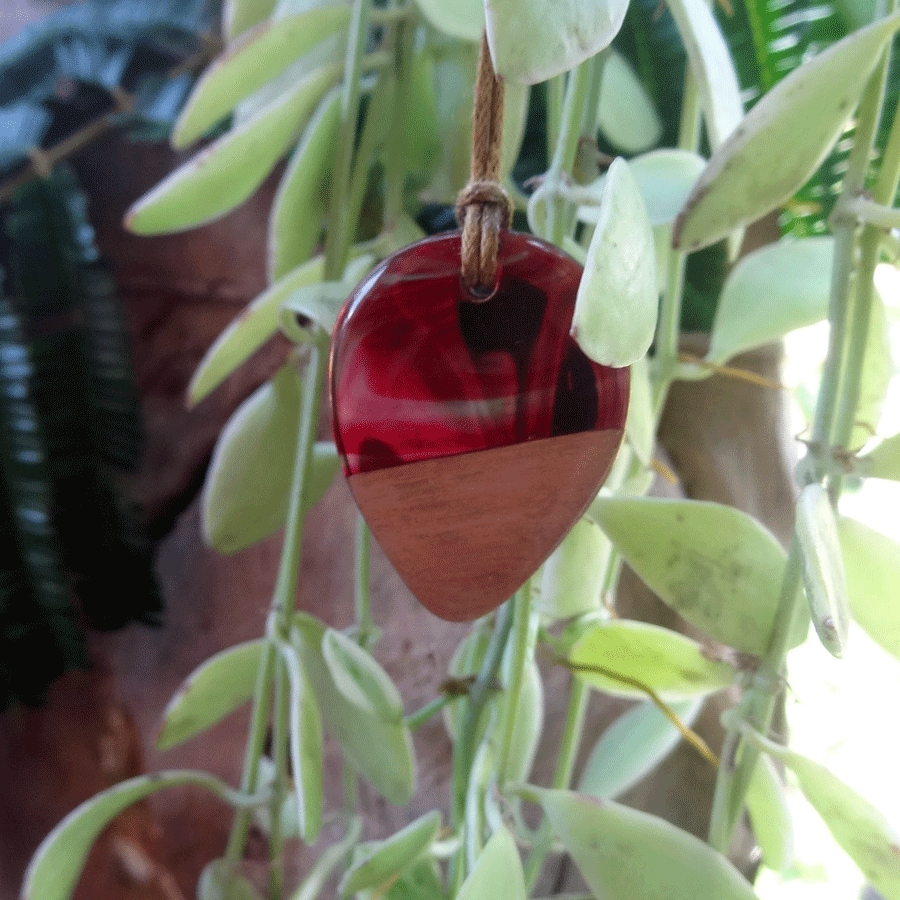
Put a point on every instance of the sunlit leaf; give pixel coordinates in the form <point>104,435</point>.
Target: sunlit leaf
<point>616,307</point>
<point>374,863</point>
<point>245,494</point>
<point>872,567</point>
<point>250,330</point>
<point>249,62</point>
<point>459,18</point>
<point>771,292</point>
<point>863,832</point>
<point>716,566</point>
<point>298,209</point>
<point>533,40</point>
<point>217,687</point>
<point>638,741</point>
<point>711,63</point>
<point>223,175</point>
<point>360,678</point>
<point>621,852</point>
<point>883,461</point>
<point>782,140</point>
<point>638,653</point>
<point>822,567</point>
<point>380,751</point>
<point>572,577</point>
<point>770,815</point>
<point>497,872</point>
<point>626,115</point>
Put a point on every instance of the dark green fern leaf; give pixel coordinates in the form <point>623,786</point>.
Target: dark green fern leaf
<point>86,399</point>
<point>39,636</point>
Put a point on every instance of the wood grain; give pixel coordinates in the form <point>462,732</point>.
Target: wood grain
<point>465,532</point>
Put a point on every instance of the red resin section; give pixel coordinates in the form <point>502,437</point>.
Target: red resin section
<point>419,370</point>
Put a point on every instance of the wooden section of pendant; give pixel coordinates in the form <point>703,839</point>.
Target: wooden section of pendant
<point>465,532</point>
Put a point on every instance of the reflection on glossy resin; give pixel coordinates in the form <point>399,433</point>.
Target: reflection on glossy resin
<point>419,371</point>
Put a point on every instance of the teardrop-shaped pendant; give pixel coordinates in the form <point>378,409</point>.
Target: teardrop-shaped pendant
<point>474,434</point>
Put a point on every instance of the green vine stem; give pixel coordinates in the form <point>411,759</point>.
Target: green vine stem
<point>283,600</point>
<point>338,239</point>
<point>849,310</point>
<point>524,632</point>
<point>483,686</point>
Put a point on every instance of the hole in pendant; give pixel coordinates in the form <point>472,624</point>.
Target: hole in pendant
<point>480,293</point>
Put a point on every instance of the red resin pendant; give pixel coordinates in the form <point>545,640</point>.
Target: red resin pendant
<point>473,434</point>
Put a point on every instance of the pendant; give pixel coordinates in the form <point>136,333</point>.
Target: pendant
<point>474,433</point>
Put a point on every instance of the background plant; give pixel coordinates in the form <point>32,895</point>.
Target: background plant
<point>321,76</point>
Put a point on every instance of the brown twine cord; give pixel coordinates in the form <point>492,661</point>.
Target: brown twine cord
<point>483,208</point>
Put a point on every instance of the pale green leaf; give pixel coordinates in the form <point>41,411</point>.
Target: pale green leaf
<point>246,489</point>
<point>250,330</point>
<point>664,178</point>
<point>289,816</point>
<point>459,18</point>
<point>711,63</point>
<point>714,565</point>
<point>216,688</point>
<point>533,40</point>
<point>225,174</point>
<point>822,567</point>
<point>360,678</point>
<point>637,654</point>
<point>322,302</point>
<point>482,774</point>
<point>528,727</point>
<point>266,511</point>
<point>862,831</point>
<point>782,140</point>
<point>256,57</point>
<point>240,15</point>
<point>771,292</point>
<point>872,568</point>
<point>380,751</point>
<point>572,578</point>
<point>423,880</point>
<point>56,866</point>
<point>375,863</point>
<point>454,75</point>
<point>640,425</point>
<point>617,302</point>
<point>770,815</point>
<point>626,115</point>
<point>621,852</point>
<point>497,872</point>
<point>877,372</point>
<point>413,144</point>
<point>638,741</point>
<point>883,461</point>
<point>298,209</point>
<point>305,746</point>
<point>318,874</point>
<point>219,881</point>
<point>515,115</point>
